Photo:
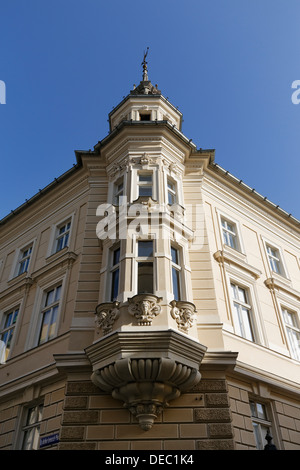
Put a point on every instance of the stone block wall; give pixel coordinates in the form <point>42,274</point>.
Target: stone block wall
<point>199,419</point>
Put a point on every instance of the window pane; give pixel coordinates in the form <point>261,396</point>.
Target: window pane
<point>174,255</point>
<point>45,326</point>
<point>57,293</point>
<point>145,191</point>
<point>176,283</point>
<point>116,256</point>
<point>145,278</point>
<point>53,320</point>
<point>49,298</point>
<point>115,284</point>
<point>145,178</point>
<point>294,338</point>
<point>145,249</point>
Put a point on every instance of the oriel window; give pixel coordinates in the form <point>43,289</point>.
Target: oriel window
<point>118,190</point>
<point>171,188</point>
<point>145,184</point>
<point>115,274</point>
<point>145,272</point>
<point>176,273</point>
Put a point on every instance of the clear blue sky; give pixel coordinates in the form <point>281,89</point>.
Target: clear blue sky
<point>227,64</point>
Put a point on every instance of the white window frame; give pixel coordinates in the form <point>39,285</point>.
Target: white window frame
<point>18,256</point>
<point>282,267</point>
<point>261,421</point>
<point>238,321</point>
<point>147,170</point>
<point>55,233</point>
<point>178,268</point>
<point>170,191</point>
<point>113,267</point>
<point>13,327</point>
<point>49,307</point>
<point>117,193</point>
<point>239,240</point>
<point>141,259</point>
<point>38,408</point>
<point>36,318</point>
<point>293,350</point>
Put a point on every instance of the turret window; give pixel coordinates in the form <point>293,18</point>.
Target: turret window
<point>145,116</point>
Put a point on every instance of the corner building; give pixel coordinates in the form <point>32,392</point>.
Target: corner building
<point>149,300</point>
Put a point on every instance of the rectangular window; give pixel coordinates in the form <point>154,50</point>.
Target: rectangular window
<point>49,315</point>
<point>260,422</point>
<point>62,236</point>
<point>292,327</point>
<point>275,260</point>
<point>145,184</point>
<point>31,429</point>
<point>145,267</point>
<point>115,274</point>
<point>176,273</point>
<point>6,333</point>
<point>24,260</point>
<point>171,187</point>
<point>230,235</point>
<point>242,312</point>
<point>118,190</point>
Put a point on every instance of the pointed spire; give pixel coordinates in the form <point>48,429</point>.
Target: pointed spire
<point>145,68</point>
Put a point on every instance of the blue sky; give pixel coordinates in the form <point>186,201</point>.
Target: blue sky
<point>227,64</point>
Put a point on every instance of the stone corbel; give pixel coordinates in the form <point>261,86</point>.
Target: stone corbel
<point>106,315</point>
<point>146,385</point>
<point>184,313</point>
<point>144,307</point>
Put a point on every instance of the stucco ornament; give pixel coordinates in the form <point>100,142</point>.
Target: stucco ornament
<point>184,313</point>
<point>106,315</point>
<point>144,307</point>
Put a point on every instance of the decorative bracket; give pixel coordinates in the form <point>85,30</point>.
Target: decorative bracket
<point>184,313</point>
<point>144,307</point>
<point>106,315</point>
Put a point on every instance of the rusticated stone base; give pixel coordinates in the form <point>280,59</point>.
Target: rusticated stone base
<point>197,420</point>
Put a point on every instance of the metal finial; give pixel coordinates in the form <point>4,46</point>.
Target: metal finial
<point>144,64</point>
<point>269,438</point>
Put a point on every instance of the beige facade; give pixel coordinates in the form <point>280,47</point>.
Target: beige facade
<point>149,301</point>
